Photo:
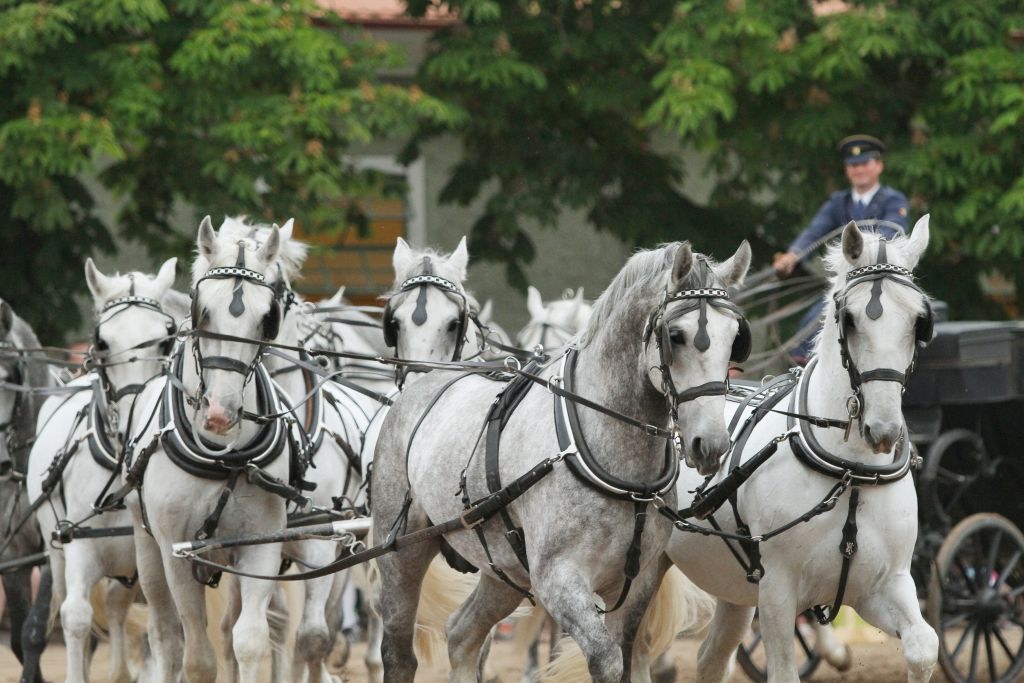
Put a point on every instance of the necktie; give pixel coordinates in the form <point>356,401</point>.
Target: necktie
<point>858,210</point>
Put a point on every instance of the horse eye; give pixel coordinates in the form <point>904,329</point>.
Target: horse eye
<point>453,325</point>
<point>101,345</point>
<point>677,337</point>
<point>848,322</point>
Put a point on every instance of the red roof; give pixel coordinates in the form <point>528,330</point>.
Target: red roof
<point>385,13</point>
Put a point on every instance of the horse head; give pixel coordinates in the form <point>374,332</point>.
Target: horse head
<point>876,321</point>
<point>134,330</point>
<point>427,313</point>
<point>554,323</point>
<point>239,287</point>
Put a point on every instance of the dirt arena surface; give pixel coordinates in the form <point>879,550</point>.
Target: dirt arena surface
<point>874,662</point>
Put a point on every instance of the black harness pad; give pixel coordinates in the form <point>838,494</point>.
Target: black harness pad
<point>454,560</point>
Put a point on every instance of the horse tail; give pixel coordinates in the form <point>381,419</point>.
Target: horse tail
<point>442,591</point>
<point>528,629</point>
<point>677,606</point>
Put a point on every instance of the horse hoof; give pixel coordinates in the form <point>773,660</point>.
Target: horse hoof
<point>667,675</point>
<point>338,657</point>
<point>846,663</point>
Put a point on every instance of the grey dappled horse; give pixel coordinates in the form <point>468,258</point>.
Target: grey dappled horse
<point>18,411</point>
<point>576,537</point>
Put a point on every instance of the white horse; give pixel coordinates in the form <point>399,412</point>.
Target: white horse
<point>203,463</point>
<point>333,418</point>
<point>78,447</point>
<point>576,536</point>
<point>554,323</point>
<point>875,320</point>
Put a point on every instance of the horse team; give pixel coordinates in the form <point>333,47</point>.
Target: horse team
<point>238,409</point>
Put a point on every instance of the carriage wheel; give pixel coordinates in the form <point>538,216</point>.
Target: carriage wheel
<point>750,653</point>
<point>976,601</point>
<point>955,460</point>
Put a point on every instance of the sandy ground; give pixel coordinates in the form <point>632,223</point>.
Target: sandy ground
<point>874,662</point>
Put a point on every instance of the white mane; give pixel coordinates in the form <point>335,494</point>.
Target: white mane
<point>290,256</point>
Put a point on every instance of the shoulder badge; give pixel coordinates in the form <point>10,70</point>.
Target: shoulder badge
<point>903,211</point>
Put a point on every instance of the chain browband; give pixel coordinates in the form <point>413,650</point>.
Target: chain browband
<point>235,271</point>
<point>434,280</point>
<point>858,273</point>
<point>128,300</point>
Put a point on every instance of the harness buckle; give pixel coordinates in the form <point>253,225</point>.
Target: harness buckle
<point>512,364</point>
<point>469,525</point>
<point>554,379</point>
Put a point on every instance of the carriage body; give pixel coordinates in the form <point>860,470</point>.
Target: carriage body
<point>964,407</point>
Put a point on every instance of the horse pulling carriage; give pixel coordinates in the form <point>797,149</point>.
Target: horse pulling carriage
<point>963,406</point>
<point>639,391</point>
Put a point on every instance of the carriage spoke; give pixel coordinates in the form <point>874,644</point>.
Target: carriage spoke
<point>1011,564</point>
<point>1016,592</point>
<point>955,621</point>
<point>1002,643</point>
<point>963,640</point>
<point>989,655</point>
<point>974,654</point>
<point>969,581</point>
<point>993,554</point>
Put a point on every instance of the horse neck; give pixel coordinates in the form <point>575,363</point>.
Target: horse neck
<point>190,380</point>
<point>826,397</point>
<point>608,372</point>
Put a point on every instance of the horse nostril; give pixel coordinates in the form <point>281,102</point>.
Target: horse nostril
<point>695,446</point>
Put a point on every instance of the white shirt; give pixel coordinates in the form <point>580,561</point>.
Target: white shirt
<point>867,196</point>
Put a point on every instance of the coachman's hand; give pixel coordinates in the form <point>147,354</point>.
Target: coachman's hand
<point>784,263</point>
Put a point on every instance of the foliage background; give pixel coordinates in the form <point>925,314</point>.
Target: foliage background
<point>207,103</point>
<point>563,100</point>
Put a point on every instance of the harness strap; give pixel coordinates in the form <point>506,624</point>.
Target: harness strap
<point>847,548</point>
<point>479,513</point>
<point>632,567</point>
<point>209,526</point>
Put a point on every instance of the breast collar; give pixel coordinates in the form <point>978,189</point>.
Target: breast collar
<point>180,446</point>
<point>809,450</point>
<point>100,446</point>
<point>581,460</point>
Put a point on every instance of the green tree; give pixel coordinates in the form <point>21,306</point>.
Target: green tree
<point>227,106</point>
<point>565,98</point>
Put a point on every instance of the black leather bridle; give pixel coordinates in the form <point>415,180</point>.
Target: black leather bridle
<point>449,288</point>
<point>269,327</point>
<point>657,328</point>
<point>876,274</point>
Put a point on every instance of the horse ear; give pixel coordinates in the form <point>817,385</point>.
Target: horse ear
<point>918,241</point>
<point>165,277</point>
<point>6,318</point>
<point>734,269</point>
<point>99,284</point>
<point>534,304</point>
<point>269,251</point>
<point>338,298</point>
<point>207,240</point>
<point>287,229</point>
<point>682,264</point>
<point>459,258</point>
<point>486,312</point>
<point>853,242</point>
<point>402,258</point>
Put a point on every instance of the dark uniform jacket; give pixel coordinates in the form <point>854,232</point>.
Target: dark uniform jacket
<point>887,204</point>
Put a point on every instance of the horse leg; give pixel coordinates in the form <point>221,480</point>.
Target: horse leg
<point>624,624</point>
<point>252,631</point>
<point>340,585</point>
<point>894,609</point>
<point>18,589</point>
<point>199,659</point>
<point>277,622</point>
<point>777,611</point>
<point>313,639</point>
<point>401,577</point>
<point>470,625</point>
<point>36,628</point>
<point>232,607</point>
<point>374,632</point>
<point>118,600</point>
<point>717,655</point>
<point>164,628</point>
<point>568,597</point>
<point>831,648</point>
<point>81,574</point>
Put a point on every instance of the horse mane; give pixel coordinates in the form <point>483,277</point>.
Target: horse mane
<point>291,255</point>
<point>646,271</point>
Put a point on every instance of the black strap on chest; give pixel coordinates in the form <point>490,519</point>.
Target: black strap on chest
<point>847,548</point>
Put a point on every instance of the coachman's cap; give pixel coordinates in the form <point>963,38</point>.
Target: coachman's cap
<point>856,149</point>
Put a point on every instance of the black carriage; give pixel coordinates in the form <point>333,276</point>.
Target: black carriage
<point>965,410</point>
